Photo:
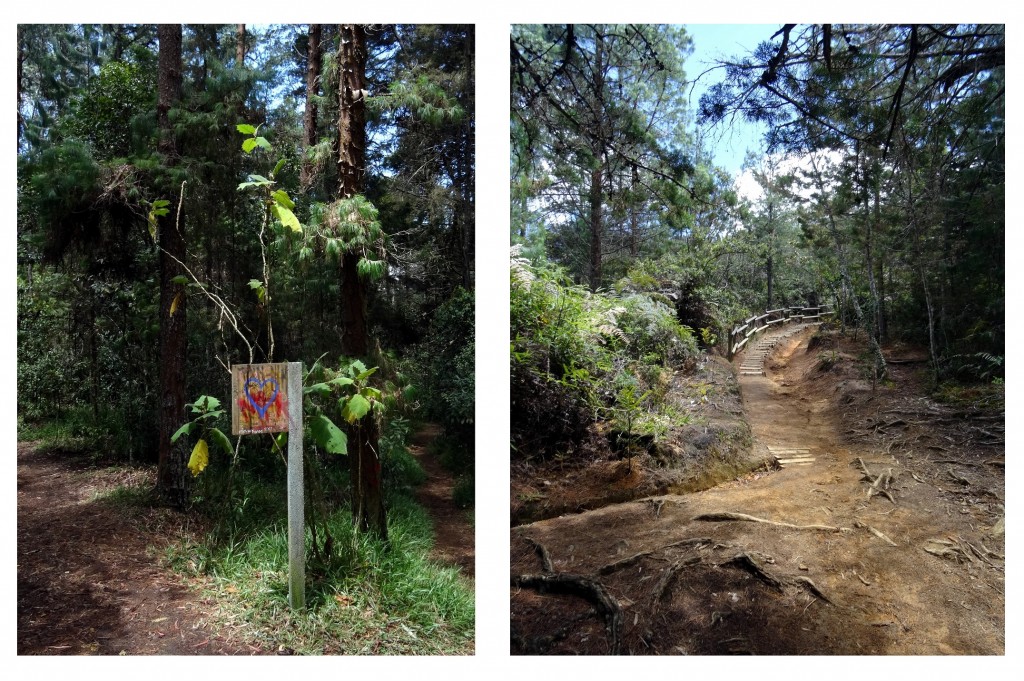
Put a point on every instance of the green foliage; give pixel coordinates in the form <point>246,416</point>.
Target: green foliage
<point>424,98</point>
<point>103,113</point>
<point>464,492</point>
<point>574,352</point>
<point>445,366</point>
<point>206,412</point>
<point>654,332</point>
<point>400,469</point>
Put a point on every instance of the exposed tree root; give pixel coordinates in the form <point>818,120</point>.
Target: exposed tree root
<point>724,516</point>
<point>880,483</point>
<point>586,588</point>
<point>631,560</point>
<point>542,553</point>
<point>812,587</point>
<point>747,562</point>
<point>666,578</point>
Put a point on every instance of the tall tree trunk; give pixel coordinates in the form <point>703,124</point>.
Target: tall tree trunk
<point>309,117</point>
<point>364,463</point>
<point>21,62</point>
<point>597,172</point>
<point>240,46</point>
<point>872,225</point>
<point>634,215</point>
<point>172,473</point>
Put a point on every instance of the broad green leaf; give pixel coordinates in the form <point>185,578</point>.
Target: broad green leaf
<point>281,439</point>
<point>328,435</point>
<point>356,367</point>
<point>205,403</point>
<point>366,374</point>
<point>245,129</point>
<point>277,168</point>
<point>248,145</point>
<point>286,217</point>
<point>160,203</point>
<point>356,408</point>
<point>180,279</point>
<point>200,457</point>
<point>184,430</point>
<point>341,380</point>
<point>263,143</point>
<point>370,393</point>
<point>281,196</point>
<point>222,441</point>
<point>318,389</point>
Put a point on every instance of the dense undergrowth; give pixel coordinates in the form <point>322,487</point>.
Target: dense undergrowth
<point>578,357</point>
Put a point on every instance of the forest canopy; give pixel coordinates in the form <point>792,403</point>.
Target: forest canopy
<point>192,197</point>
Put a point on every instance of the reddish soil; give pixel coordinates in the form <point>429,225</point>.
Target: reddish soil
<point>454,540</point>
<point>91,579</point>
<point>890,542</point>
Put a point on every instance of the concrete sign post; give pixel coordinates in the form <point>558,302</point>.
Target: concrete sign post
<point>260,404</point>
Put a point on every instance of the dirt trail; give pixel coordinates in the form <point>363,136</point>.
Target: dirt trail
<point>91,580</point>
<point>454,539</point>
<point>838,572</point>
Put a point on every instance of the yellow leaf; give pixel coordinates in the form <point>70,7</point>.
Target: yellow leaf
<point>174,303</point>
<point>200,457</point>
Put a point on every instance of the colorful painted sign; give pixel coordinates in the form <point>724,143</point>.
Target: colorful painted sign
<point>259,398</point>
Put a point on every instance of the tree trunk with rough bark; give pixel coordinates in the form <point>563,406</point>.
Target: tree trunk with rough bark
<point>309,117</point>
<point>240,46</point>
<point>364,460</point>
<point>597,174</point>
<point>172,473</point>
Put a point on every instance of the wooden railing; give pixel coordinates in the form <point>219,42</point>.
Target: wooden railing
<point>784,315</point>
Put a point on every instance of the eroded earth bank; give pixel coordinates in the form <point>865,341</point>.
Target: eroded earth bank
<point>881,533</point>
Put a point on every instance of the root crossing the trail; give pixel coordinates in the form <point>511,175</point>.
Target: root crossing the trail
<point>866,546</point>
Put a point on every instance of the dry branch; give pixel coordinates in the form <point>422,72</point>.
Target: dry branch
<point>881,536</point>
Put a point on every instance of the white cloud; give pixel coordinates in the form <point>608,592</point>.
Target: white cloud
<point>748,188</point>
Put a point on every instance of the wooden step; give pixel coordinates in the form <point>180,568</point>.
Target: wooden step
<point>794,462</point>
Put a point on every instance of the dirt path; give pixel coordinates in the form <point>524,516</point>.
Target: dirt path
<point>90,577</point>
<point>840,571</point>
<point>454,540</point>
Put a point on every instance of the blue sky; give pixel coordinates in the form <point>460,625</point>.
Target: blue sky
<point>728,143</point>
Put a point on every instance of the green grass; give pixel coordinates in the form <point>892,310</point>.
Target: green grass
<point>372,599</point>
